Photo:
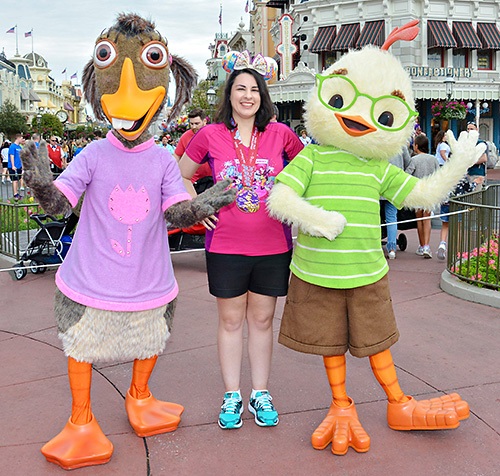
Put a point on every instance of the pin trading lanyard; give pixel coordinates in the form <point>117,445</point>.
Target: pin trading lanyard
<point>247,162</point>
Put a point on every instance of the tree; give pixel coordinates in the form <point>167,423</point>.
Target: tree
<point>11,120</point>
<point>48,125</point>
<point>200,99</point>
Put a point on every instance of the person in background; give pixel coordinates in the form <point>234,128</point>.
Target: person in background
<point>36,139</point>
<point>421,165</point>
<point>276,114</point>
<point>56,156</point>
<point>5,161</point>
<point>166,143</point>
<point>477,173</point>
<point>197,120</point>
<point>304,138</point>
<point>442,148</point>
<point>15,166</point>
<point>402,160</point>
<point>248,253</point>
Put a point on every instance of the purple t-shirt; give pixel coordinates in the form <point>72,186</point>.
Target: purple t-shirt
<point>250,234</point>
<point>120,259</point>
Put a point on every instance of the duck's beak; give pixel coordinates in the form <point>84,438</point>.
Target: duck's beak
<point>131,109</point>
<point>354,125</point>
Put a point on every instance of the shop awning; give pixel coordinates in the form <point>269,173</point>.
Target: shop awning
<point>347,37</point>
<point>323,39</point>
<point>465,36</point>
<point>50,104</point>
<point>24,95</point>
<point>373,34</point>
<point>68,107</point>
<point>42,103</point>
<point>440,35</point>
<point>489,35</point>
<point>34,96</point>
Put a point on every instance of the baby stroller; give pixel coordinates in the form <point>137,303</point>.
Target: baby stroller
<point>191,238</point>
<point>49,245</point>
<point>403,215</point>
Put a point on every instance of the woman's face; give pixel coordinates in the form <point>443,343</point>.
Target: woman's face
<point>245,97</point>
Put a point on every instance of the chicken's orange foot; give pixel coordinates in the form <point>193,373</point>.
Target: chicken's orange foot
<point>150,416</point>
<point>442,413</point>
<point>78,446</point>
<point>342,428</point>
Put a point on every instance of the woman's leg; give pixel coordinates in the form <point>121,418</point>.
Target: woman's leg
<point>426,228</point>
<point>232,313</point>
<point>420,227</point>
<point>391,216</point>
<point>260,314</point>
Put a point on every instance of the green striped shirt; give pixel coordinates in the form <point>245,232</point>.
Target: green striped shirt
<point>340,181</point>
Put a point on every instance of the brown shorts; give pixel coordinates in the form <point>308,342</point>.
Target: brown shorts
<point>327,321</point>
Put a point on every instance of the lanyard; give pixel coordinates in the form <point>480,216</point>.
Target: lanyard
<point>247,162</point>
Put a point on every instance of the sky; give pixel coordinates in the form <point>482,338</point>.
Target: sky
<point>64,32</point>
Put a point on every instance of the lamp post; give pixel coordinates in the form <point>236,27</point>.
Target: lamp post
<point>211,98</point>
<point>449,84</point>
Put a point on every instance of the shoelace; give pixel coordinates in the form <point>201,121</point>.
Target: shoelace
<point>263,402</point>
<point>230,405</point>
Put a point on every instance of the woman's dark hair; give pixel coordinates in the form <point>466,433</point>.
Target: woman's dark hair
<point>422,143</point>
<point>439,138</point>
<point>264,114</point>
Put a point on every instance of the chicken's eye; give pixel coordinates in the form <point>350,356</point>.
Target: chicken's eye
<point>155,55</point>
<point>386,119</point>
<point>336,101</point>
<point>104,54</point>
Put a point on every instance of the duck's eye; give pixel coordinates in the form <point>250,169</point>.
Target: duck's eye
<point>104,54</point>
<point>336,101</point>
<point>386,119</point>
<point>155,55</point>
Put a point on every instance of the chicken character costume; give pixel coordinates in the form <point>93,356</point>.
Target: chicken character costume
<point>361,112</point>
<point>116,291</point>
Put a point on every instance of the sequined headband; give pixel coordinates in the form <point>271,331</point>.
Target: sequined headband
<point>265,66</point>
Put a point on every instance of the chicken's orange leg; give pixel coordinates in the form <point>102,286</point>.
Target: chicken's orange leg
<point>341,426</point>
<point>147,415</point>
<point>81,442</point>
<point>406,413</point>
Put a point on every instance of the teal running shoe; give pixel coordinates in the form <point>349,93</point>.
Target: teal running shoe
<point>263,409</point>
<point>231,410</point>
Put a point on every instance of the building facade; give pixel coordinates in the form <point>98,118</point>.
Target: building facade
<point>458,39</point>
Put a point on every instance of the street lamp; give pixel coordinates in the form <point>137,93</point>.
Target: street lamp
<point>211,98</point>
<point>449,83</point>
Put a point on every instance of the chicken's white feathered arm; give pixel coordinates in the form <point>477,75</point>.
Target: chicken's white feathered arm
<point>287,206</point>
<point>434,189</point>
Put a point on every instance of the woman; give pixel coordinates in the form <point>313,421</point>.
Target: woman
<point>5,160</point>
<point>442,148</point>
<point>421,165</point>
<point>248,253</point>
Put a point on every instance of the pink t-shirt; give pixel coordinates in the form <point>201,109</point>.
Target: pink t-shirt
<point>120,259</point>
<point>250,234</point>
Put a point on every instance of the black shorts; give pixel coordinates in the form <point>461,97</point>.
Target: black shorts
<point>233,275</point>
<point>15,175</point>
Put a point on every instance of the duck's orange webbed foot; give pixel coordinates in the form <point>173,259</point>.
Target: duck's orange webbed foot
<point>78,446</point>
<point>342,428</point>
<point>443,413</point>
<point>149,416</point>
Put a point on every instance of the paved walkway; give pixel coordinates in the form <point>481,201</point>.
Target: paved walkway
<point>446,345</point>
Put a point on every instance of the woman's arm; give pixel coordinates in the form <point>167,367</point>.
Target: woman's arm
<point>188,169</point>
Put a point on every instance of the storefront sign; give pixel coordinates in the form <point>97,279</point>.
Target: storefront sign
<point>286,48</point>
<point>425,71</point>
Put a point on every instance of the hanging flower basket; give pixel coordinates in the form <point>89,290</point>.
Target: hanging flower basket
<point>447,110</point>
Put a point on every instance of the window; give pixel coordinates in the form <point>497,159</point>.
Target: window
<point>435,58</point>
<point>484,59</point>
<point>460,58</point>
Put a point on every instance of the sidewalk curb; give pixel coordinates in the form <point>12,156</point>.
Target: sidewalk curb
<point>455,287</point>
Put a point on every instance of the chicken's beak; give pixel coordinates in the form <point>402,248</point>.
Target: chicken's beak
<point>354,125</point>
<point>130,109</point>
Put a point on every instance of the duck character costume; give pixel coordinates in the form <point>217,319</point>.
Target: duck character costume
<point>116,291</point>
<point>361,112</point>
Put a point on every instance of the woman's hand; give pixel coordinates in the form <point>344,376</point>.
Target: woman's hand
<point>210,222</point>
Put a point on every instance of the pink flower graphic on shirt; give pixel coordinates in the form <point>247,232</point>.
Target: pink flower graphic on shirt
<point>128,207</point>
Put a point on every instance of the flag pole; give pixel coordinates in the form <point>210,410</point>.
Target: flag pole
<point>220,19</point>
<point>17,44</point>
<point>32,48</point>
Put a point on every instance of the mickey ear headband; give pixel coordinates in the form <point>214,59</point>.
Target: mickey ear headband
<point>233,60</point>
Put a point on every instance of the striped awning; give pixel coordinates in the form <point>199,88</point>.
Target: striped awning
<point>34,96</point>
<point>465,36</point>
<point>323,39</point>
<point>440,35</point>
<point>489,35</point>
<point>24,95</point>
<point>68,107</point>
<point>347,37</point>
<point>373,34</point>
